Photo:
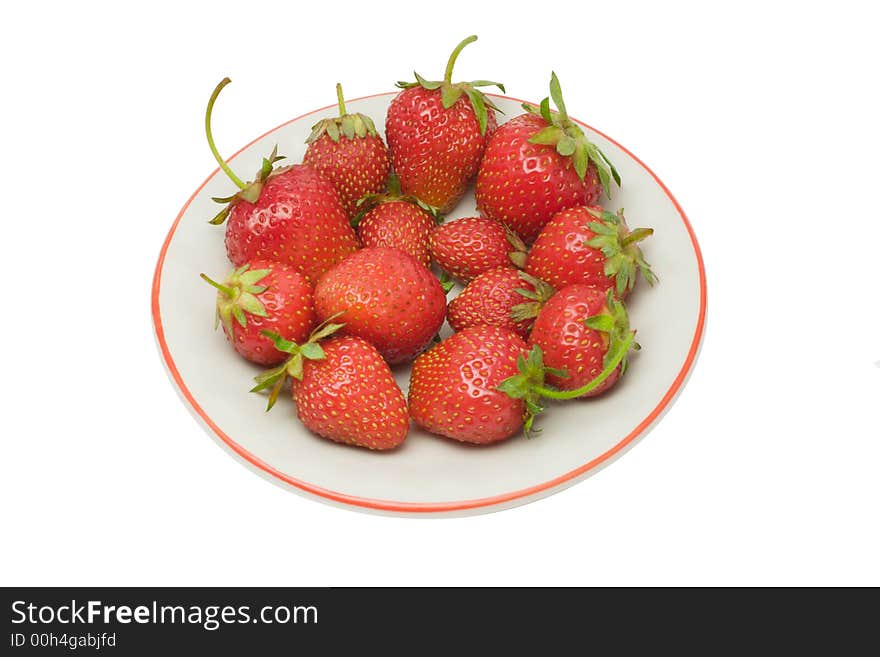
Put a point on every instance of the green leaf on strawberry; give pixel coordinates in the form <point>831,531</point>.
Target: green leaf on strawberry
<point>451,92</point>
<point>446,281</point>
<point>569,139</point>
<point>293,366</point>
<point>235,296</point>
<point>526,384</point>
<point>351,126</point>
<point>620,247</point>
<point>393,193</point>
<point>247,191</point>
<point>531,308</point>
<point>615,323</point>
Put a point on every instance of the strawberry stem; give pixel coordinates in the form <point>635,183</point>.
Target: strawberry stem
<point>595,383</point>
<point>636,236</point>
<point>238,182</point>
<point>228,291</point>
<point>341,99</point>
<point>447,76</point>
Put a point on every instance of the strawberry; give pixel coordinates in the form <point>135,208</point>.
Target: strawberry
<point>592,246</point>
<point>397,221</point>
<point>259,296</point>
<point>349,152</point>
<point>386,297</point>
<point>504,297</point>
<point>577,330</point>
<point>291,215</point>
<point>481,385</point>
<point>579,346</point>
<point>437,132</point>
<point>453,387</point>
<point>342,388</point>
<point>468,247</point>
<point>538,164</point>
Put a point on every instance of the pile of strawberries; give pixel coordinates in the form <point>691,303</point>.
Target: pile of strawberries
<point>333,279</point>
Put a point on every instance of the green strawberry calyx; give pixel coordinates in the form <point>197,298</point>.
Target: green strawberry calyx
<point>569,139</point>
<point>619,245</point>
<point>446,282</point>
<point>393,193</point>
<point>537,297</point>
<point>237,297</point>
<point>519,253</point>
<point>247,191</point>
<point>293,366</point>
<point>346,125</point>
<point>450,92</point>
<point>613,321</point>
<point>529,384</point>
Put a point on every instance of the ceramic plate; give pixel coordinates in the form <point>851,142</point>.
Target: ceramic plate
<point>427,475</point>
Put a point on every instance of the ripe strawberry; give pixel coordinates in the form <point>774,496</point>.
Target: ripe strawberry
<point>386,297</point>
<point>577,327</point>
<point>260,296</point>
<point>468,247</point>
<point>503,297</point>
<point>437,132</point>
<point>538,164</point>
<point>291,215</point>
<point>343,389</point>
<point>349,152</point>
<point>579,331</point>
<point>592,246</point>
<point>397,221</point>
<point>453,388</point>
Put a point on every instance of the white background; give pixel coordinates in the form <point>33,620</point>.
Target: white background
<point>760,117</point>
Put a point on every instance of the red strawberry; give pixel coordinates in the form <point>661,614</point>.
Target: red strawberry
<point>386,297</point>
<point>468,247</point>
<point>343,390</point>
<point>453,389</point>
<point>592,246</point>
<point>349,152</point>
<point>579,330</point>
<point>260,296</point>
<point>503,297</point>
<point>397,221</point>
<point>437,132</point>
<point>587,339</point>
<point>291,215</point>
<point>538,164</point>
